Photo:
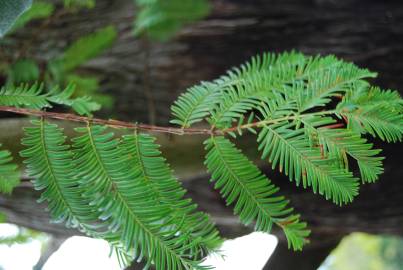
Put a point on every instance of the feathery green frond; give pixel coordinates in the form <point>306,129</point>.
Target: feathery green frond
<point>264,77</point>
<point>378,122</point>
<point>326,84</point>
<point>237,102</point>
<point>308,113</point>
<point>338,143</point>
<point>24,95</point>
<point>291,151</point>
<point>194,105</point>
<point>242,183</point>
<point>371,110</point>
<point>82,105</point>
<point>200,100</point>
<point>152,170</point>
<point>127,203</point>
<point>49,162</point>
<point>35,97</point>
<point>9,175</point>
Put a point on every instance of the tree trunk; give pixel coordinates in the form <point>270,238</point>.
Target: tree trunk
<point>368,32</point>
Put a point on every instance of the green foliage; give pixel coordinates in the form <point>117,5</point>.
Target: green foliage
<point>10,10</point>
<point>82,105</point>
<point>309,115</point>
<point>160,19</point>
<point>38,10</point>
<point>23,71</point>
<point>49,162</point>
<point>3,217</point>
<point>374,111</point>
<point>22,236</point>
<point>344,143</point>
<point>149,166</point>
<point>371,252</point>
<point>34,97</point>
<point>88,85</point>
<point>242,183</point>
<point>9,176</point>
<point>86,48</point>
<point>195,105</point>
<point>289,100</point>
<point>153,214</point>
<point>287,147</point>
<point>92,187</point>
<point>78,4</point>
<point>61,69</point>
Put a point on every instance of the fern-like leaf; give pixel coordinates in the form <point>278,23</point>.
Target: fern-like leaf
<point>9,176</point>
<point>338,144</point>
<point>152,170</point>
<point>194,105</point>
<point>268,76</point>
<point>371,110</point>
<point>82,105</point>
<point>291,151</point>
<point>321,88</point>
<point>242,183</point>
<point>24,95</point>
<point>128,205</point>
<point>49,162</point>
<point>35,97</point>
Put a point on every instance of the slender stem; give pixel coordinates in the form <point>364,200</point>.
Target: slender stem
<point>277,120</point>
<point>151,128</point>
<point>110,122</point>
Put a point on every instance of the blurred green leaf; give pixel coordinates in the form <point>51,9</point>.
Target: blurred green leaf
<point>10,10</point>
<point>370,252</point>
<point>23,71</point>
<point>89,86</point>
<point>22,236</point>
<point>88,47</point>
<point>161,19</point>
<point>9,173</point>
<point>82,105</point>
<point>3,217</point>
<point>38,10</point>
<point>78,4</point>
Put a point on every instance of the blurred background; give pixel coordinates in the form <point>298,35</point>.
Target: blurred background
<point>135,62</point>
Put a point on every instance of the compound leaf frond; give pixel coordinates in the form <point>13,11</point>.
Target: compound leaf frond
<point>241,183</point>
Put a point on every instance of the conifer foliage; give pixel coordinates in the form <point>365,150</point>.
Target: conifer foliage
<point>312,118</point>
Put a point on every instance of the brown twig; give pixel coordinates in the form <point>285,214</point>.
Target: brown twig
<point>110,122</point>
<point>151,128</point>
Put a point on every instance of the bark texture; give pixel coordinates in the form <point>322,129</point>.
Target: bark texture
<point>368,32</point>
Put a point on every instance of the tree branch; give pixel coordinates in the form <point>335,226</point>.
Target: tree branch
<point>152,128</point>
